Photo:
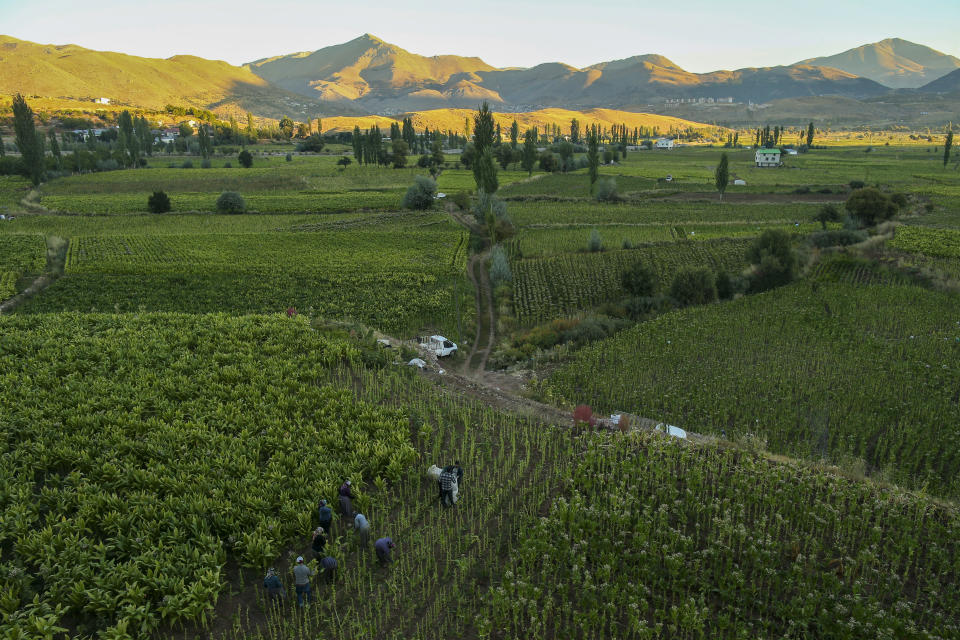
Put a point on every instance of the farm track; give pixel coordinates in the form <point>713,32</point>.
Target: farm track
<point>56,259</point>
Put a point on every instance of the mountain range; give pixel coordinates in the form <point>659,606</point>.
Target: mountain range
<point>368,75</point>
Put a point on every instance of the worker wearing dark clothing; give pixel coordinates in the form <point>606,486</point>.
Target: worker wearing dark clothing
<point>328,567</point>
<point>447,477</point>
<point>326,515</point>
<point>383,547</point>
<point>274,587</point>
<point>319,542</point>
<point>346,501</point>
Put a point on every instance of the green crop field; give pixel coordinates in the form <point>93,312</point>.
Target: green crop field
<point>399,281</point>
<point>656,539</point>
<point>547,288</point>
<point>19,255</point>
<point>816,368</point>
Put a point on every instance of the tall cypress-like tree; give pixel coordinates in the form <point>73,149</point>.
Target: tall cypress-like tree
<point>721,176</point>
<point>529,151</point>
<point>810,132</point>
<point>357,142</point>
<point>514,134</point>
<point>575,134</point>
<point>204,140</point>
<point>947,144</point>
<point>129,148</point>
<point>26,138</point>
<point>484,168</point>
<point>593,158</point>
<point>55,148</point>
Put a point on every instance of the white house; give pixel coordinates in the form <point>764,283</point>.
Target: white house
<point>102,101</point>
<point>664,143</point>
<point>768,157</point>
<point>739,182</point>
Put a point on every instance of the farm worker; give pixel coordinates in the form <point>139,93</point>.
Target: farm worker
<point>301,579</point>
<point>362,527</point>
<point>448,478</point>
<point>319,542</point>
<point>326,515</point>
<point>459,471</point>
<point>346,500</point>
<point>271,582</point>
<point>383,547</point>
<point>328,567</point>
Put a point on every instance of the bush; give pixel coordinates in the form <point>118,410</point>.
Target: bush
<point>627,244</point>
<point>856,184</point>
<point>827,213</point>
<point>107,165</point>
<point>606,190</point>
<point>837,238</point>
<point>231,202</point>
<point>420,194</point>
<point>344,162</point>
<point>246,159</point>
<point>159,202</point>
<point>313,144</point>
<point>289,157</point>
<point>900,200</point>
<point>694,286</point>
<point>596,242</point>
<point>488,203</point>
<point>727,285</point>
<point>500,273</point>
<point>462,200</point>
<point>187,164</point>
<point>640,280</point>
<point>773,259</point>
<point>640,306</point>
<point>228,165</point>
<point>206,164</point>
<point>870,206</point>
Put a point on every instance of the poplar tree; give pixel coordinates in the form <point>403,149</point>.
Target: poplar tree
<point>55,148</point>
<point>575,136</point>
<point>810,133</point>
<point>529,151</point>
<point>514,134</point>
<point>357,143</point>
<point>593,159</point>
<point>946,147</point>
<point>722,175</point>
<point>484,169</point>
<point>26,138</point>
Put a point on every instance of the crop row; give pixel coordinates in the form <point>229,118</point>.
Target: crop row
<point>546,241</point>
<point>548,288</point>
<point>811,368</point>
<point>657,539</point>
<point>657,211</point>
<point>943,243</point>
<point>19,255</point>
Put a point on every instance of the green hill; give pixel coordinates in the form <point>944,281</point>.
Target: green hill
<point>74,72</point>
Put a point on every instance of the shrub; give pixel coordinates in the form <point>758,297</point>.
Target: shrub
<point>827,213</point>
<point>420,194</point>
<point>596,242</point>
<point>289,157</point>
<point>870,206</point>
<point>694,286</point>
<point>640,306</point>
<point>313,144</point>
<point>773,259</point>
<point>107,165</point>
<point>206,164</point>
<point>462,200</point>
<point>899,199</point>
<point>856,184</point>
<point>837,238</point>
<point>344,162</point>
<point>726,285</point>
<point>606,190</point>
<point>159,202</point>
<point>640,280</point>
<point>246,159</point>
<point>231,202</point>
<point>228,165</point>
<point>627,244</point>
<point>187,164</point>
<point>488,203</point>
<point>500,273</point>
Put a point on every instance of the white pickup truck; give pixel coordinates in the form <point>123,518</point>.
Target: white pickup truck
<point>438,345</point>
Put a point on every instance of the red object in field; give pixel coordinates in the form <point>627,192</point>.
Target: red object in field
<point>291,311</point>
<point>584,414</point>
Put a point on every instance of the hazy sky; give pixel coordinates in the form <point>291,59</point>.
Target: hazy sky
<point>699,35</point>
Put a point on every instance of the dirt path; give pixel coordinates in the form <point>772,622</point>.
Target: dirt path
<point>56,258</point>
